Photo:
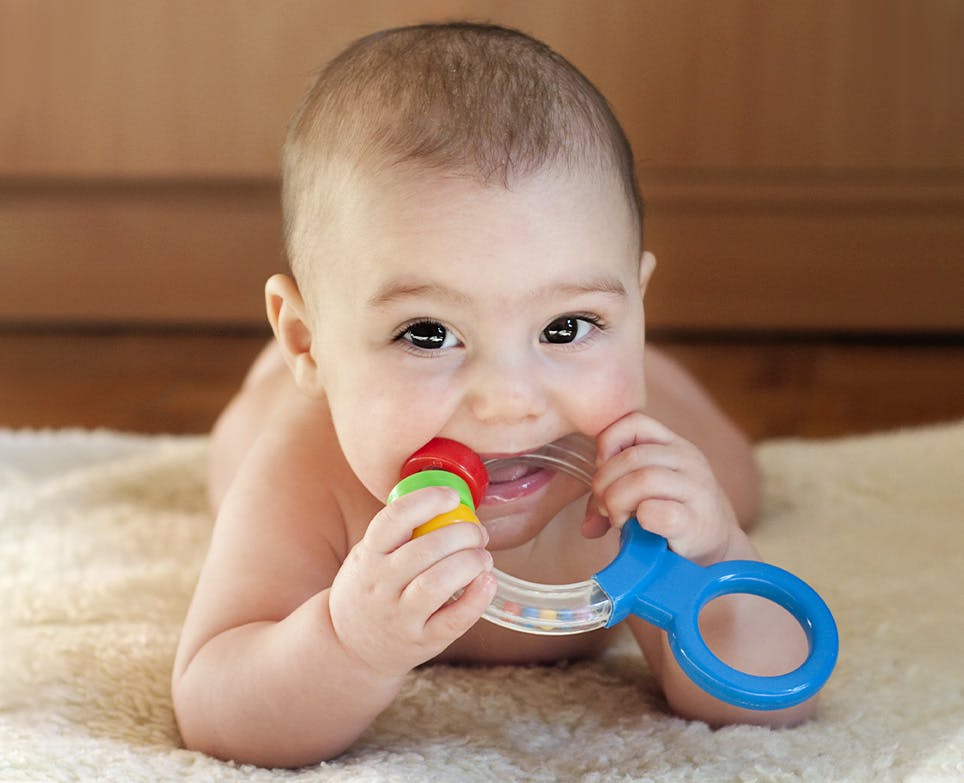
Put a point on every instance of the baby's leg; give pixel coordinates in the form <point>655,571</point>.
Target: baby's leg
<point>262,394</point>
<point>678,401</point>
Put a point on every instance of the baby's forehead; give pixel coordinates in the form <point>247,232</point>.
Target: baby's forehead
<point>427,229</point>
<point>396,192</point>
<point>417,199</point>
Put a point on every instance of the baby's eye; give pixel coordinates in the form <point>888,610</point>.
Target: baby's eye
<point>567,329</point>
<point>428,335</point>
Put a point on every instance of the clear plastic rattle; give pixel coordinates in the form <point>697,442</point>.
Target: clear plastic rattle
<point>646,579</point>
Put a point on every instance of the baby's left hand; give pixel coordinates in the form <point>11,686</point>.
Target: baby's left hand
<point>647,471</point>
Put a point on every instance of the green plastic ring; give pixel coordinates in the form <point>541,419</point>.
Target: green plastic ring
<point>433,478</point>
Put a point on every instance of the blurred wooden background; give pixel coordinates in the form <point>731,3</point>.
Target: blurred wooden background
<point>802,163</point>
<point>802,160</point>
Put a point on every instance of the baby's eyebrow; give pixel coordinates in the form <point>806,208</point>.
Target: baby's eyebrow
<point>396,290</point>
<point>601,285</point>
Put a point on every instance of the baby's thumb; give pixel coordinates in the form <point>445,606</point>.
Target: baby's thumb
<point>595,524</point>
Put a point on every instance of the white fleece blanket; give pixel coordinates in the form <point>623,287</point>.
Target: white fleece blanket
<point>102,535</point>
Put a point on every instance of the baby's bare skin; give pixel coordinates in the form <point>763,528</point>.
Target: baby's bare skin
<point>464,228</point>
<point>298,444</point>
<point>314,602</point>
<point>269,401</point>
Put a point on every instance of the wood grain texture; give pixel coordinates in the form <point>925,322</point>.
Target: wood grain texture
<point>175,88</point>
<point>178,382</point>
<point>802,161</point>
<point>138,253</point>
<point>808,255</point>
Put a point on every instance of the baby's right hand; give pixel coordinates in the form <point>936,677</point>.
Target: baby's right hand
<point>390,600</point>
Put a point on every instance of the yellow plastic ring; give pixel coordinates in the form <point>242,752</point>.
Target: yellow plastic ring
<point>462,513</point>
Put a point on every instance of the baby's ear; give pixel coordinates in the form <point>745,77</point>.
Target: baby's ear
<point>292,329</point>
<point>647,263</point>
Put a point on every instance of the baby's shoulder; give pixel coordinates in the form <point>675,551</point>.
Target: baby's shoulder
<point>295,479</point>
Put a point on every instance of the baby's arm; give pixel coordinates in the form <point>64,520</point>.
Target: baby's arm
<point>288,654</point>
<point>646,470</point>
<point>676,399</point>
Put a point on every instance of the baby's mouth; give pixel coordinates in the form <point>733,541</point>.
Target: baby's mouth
<point>505,471</point>
<point>513,478</point>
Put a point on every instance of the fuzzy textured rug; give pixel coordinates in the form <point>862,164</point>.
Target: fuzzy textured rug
<point>102,535</point>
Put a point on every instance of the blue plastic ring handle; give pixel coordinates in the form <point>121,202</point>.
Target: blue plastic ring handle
<point>651,581</point>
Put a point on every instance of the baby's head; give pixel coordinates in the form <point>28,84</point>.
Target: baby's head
<point>480,102</point>
<point>463,223</point>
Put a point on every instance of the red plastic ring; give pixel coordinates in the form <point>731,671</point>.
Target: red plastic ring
<point>450,455</point>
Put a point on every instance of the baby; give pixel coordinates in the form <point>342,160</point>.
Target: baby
<point>463,225</point>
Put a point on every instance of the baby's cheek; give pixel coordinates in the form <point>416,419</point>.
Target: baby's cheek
<point>616,396</point>
<point>367,446</point>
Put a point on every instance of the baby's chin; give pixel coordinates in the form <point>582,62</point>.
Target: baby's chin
<point>509,531</point>
<point>513,521</point>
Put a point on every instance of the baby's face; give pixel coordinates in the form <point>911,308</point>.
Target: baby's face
<point>504,319</point>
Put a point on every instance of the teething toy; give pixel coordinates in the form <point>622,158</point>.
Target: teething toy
<point>445,463</point>
<point>646,579</point>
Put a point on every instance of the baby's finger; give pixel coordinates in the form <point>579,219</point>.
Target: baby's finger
<point>670,519</point>
<point>635,458</point>
<point>423,552</point>
<point>623,496</point>
<point>631,430</point>
<point>430,589</point>
<point>594,524</point>
<point>456,617</point>
<point>392,527</point>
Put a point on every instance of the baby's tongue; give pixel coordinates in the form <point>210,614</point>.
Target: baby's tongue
<point>501,474</point>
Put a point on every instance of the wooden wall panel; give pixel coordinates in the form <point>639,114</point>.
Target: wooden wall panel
<point>180,88</point>
<point>812,147</point>
<point>812,255</point>
<point>807,256</point>
<point>144,254</point>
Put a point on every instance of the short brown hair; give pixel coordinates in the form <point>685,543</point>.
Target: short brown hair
<point>477,100</point>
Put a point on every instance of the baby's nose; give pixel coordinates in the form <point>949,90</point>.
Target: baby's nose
<point>507,390</point>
